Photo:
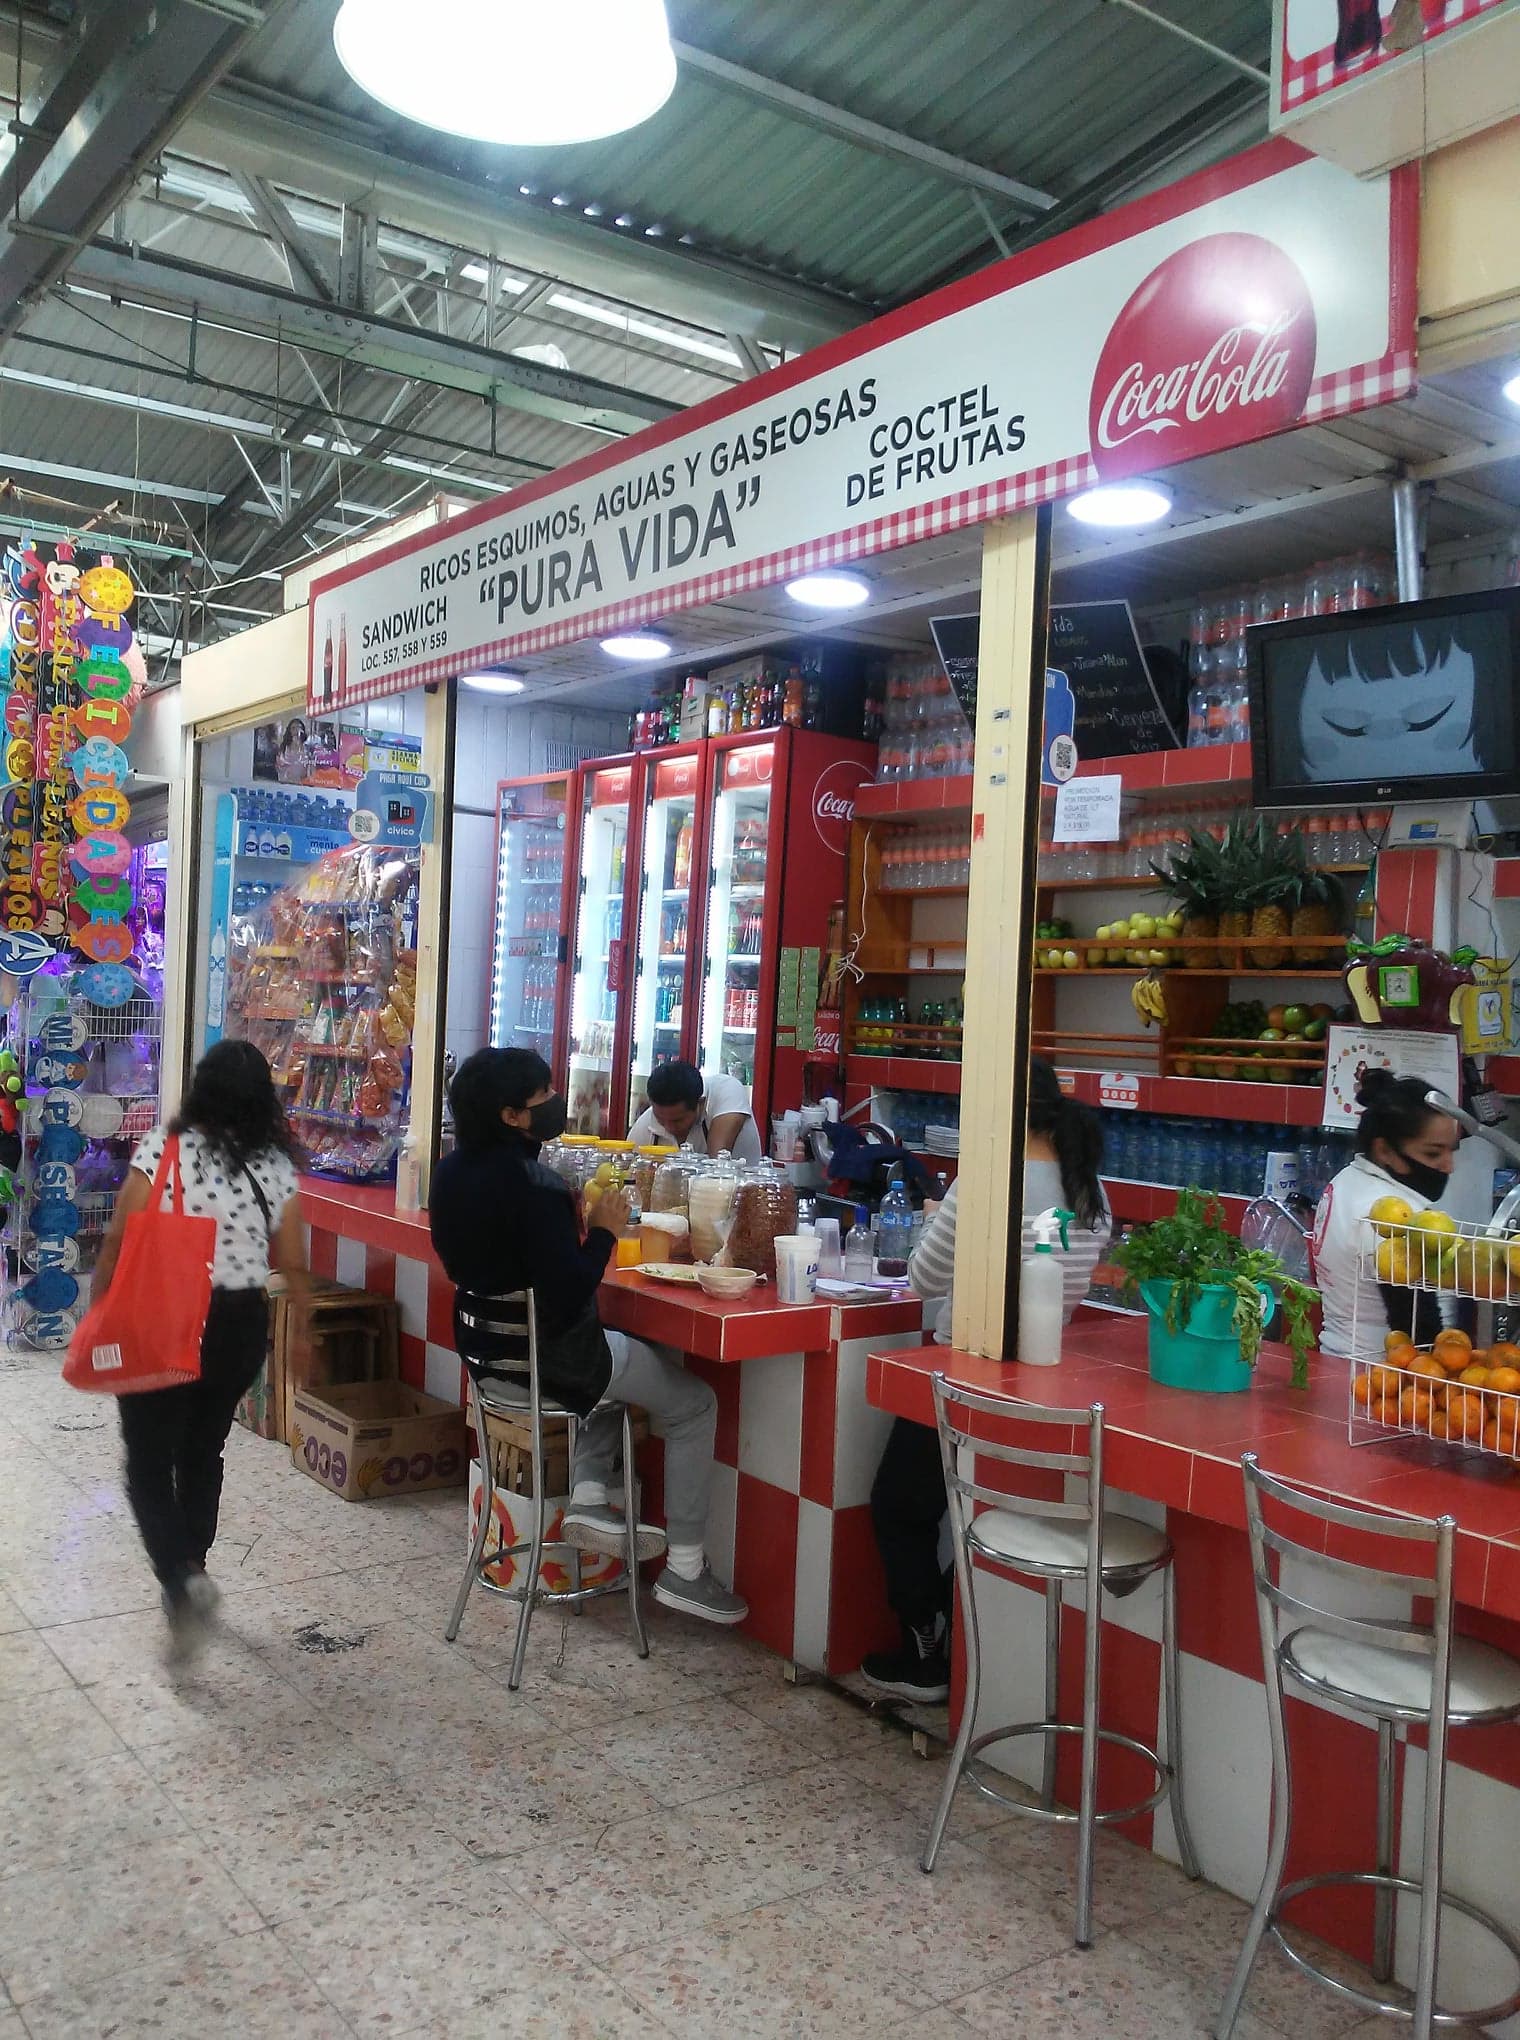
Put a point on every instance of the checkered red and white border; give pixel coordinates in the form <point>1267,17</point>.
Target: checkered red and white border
<point>1305,78</point>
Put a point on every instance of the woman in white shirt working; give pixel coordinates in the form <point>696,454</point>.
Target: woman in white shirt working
<point>1063,1151</point>
<point>1404,1149</point>
<point>235,1159</point>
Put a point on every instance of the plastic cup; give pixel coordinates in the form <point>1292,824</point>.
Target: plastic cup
<point>784,1141</point>
<point>796,1267</point>
<point>665,1236</point>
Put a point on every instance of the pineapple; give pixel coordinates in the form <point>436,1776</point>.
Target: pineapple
<point>1319,910</point>
<point>1196,878</point>
<point>1273,876</point>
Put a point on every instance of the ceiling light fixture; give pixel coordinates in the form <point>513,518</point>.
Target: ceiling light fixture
<point>1512,389</point>
<point>636,644</point>
<point>494,683</point>
<point>510,71</point>
<point>1117,505</point>
<point>829,591</point>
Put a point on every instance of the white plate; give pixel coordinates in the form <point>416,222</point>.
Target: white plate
<point>668,1271</point>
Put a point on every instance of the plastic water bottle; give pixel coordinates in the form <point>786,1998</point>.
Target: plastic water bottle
<point>858,1266</point>
<point>894,1232</point>
<point>1042,1294</point>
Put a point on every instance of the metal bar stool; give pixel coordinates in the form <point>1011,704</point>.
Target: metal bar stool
<point>500,1331</point>
<point>1055,1541</point>
<point>1387,1671</point>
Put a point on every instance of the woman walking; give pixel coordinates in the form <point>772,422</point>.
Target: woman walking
<point>236,1167</point>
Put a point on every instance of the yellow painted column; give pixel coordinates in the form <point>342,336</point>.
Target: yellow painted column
<point>1000,924</point>
<point>1470,249</point>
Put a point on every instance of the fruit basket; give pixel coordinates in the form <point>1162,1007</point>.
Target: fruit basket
<point>1455,1392</point>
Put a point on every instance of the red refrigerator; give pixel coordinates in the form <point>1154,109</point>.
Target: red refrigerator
<point>593,1025</point>
<point>528,946</point>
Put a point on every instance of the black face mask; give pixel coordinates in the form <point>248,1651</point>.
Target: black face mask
<point>1426,1181</point>
<point>548,1119</point>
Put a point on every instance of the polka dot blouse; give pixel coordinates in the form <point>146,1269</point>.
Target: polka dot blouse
<point>213,1190</point>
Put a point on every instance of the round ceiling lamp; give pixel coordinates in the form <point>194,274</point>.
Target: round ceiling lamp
<point>1512,389</point>
<point>636,644</point>
<point>829,591</point>
<point>1121,505</point>
<point>514,72</point>
<point>493,683</point>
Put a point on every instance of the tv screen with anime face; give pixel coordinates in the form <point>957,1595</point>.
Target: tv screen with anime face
<point>1413,702</point>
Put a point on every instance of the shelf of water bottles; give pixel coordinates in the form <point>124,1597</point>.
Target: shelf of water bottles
<point>1219,708</point>
<point>926,860</point>
<point>294,827</point>
<point>914,1115</point>
<point>925,733</point>
<point>1233,1159</point>
<point>1331,842</point>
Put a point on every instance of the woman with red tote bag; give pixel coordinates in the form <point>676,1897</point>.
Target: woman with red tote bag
<point>234,1165</point>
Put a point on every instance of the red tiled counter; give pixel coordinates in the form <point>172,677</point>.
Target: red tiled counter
<point>1174,1458</point>
<point>797,1447</point>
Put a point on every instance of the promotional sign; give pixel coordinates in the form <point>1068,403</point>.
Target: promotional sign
<point>1271,291</point>
<point>1324,45</point>
<point>1352,1051</point>
<point>393,809</point>
<point>957,639</point>
<point>1097,646</point>
<point>1087,810</point>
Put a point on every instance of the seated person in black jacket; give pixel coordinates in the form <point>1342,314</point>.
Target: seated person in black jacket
<point>501,1221</point>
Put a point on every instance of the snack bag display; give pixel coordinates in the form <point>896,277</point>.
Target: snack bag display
<point>323,978</point>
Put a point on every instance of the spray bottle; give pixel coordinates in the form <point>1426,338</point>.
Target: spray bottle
<point>1042,1294</point>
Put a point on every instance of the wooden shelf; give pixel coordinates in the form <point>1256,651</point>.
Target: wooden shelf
<point>905,798</point>
<point>903,1073</point>
<point>1210,1097</point>
<point>1217,765</point>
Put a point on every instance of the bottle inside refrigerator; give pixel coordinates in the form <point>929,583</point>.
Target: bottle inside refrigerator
<point>599,973</point>
<point>741,833</point>
<point>667,903</point>
<point>532,817</point>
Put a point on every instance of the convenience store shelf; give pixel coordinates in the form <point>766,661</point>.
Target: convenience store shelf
<point>1227,765</point>
<point>904,1073</point>
<point>907,797</point>
<point>1208,1097</point>
<point>1135,1203</point>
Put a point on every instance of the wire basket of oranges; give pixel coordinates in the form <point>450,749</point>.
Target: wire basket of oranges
<point>1452,1393</point>
<point>1432,1250</point>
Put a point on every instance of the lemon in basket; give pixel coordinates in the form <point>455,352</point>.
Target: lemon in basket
<point>1432,1237</point>
<point>1392,1261</point>
<point>1389,1214</point>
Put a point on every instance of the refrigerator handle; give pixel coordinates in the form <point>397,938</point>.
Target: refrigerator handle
<point>562,948</point>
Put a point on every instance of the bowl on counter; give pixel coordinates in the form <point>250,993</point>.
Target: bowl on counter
<point>727,1283</point>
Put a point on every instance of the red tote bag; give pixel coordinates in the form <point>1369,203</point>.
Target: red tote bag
<point>145,1332</point>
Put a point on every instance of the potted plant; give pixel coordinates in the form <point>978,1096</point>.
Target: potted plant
<point>1209,1298</point>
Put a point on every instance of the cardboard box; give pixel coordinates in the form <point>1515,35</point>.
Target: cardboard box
<point>369,1439</point>
<point>511,1440</point>
<point>355,1336</point>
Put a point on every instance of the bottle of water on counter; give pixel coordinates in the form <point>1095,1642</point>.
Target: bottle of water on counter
<point>858,1263</point>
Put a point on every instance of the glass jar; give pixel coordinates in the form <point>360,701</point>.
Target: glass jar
<point>645,1169</point>
<point>765,1206</point>
<point>673,1179</point>
<point>710,1203</point>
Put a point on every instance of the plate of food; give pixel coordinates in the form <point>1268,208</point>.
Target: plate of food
<point>669,1271</point>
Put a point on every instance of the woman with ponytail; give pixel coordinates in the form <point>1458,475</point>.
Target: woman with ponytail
<point>1063,1152</point>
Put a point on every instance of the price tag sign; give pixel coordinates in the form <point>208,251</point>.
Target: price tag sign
<point>1119,1090</point>
<point>1087,810</point>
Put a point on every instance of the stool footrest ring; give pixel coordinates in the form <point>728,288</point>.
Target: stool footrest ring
<point>1058,1814</point>
<point>1396,2008</point>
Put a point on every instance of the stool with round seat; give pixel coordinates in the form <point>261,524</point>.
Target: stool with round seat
<point>1390,1672</point>
<point>498,1341</point>
<point>1057,1541</point>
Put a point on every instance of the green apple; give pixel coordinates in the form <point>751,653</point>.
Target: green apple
<point>1071,960</point>
<point>1142,924</point>
<point>1295,1019</point>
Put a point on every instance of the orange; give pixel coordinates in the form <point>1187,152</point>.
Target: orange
<point>1423,1365</point>
<point>1386,1381</point>
<point>1464,1415</point>
<point>1361,1390</point>
<point>1451,1342</point>
<point>1502,1433</point>
<point>1503,1354</point>
<point>1475,1376</point>
<point>1395,1339</point>
<point>1505,1379</point>
<point>1415,1407</point>
<point>1384,1409</point>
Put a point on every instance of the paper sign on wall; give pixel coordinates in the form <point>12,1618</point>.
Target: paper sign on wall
<point>1087,810</point>
<point>1434,1058</point>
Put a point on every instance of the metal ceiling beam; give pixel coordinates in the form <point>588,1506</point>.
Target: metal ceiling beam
<point>84,150</point>
<point>866,134</point>
<point>752,358</point>
<point>302,258</point>
<point>1209,49</point>
<point>137,275</point>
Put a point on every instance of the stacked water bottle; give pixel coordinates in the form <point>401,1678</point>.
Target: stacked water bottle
<point>1219,710</point>
<point>924,731</point>
<point>1232,1158</point>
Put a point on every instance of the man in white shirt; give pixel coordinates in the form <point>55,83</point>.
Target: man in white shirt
<point>708,1116</point>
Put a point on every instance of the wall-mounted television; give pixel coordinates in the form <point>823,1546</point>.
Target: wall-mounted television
<point>1410,703</point>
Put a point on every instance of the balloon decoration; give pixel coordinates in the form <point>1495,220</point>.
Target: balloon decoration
<point>71,674</point>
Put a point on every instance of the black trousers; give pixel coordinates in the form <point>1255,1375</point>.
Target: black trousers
<point>174,1437</point>
<point>907,1507</point>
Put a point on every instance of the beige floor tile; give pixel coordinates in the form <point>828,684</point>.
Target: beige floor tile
<point>1108,1992</point>
<point>71,1927</point>
<point>58,1726</point>
<point>58,1813</point>
<point>11,1617</point>
<point>1129,1882</point>
<point>248,1987</point>
<point>27,1666</point>
<point>694,1750</point>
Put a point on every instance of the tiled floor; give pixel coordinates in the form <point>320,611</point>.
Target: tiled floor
<point>336,1824</point>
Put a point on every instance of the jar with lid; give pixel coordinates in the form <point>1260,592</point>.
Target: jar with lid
<point>645,1169</point>
<point>710,1203</point>
<point>607,1170</point>
<point>765,1207</point>
<point>673,1179</point>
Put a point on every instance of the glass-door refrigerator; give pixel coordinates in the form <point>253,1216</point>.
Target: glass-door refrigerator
<point>598,1024</point>
<point>779,808</point>
<point>530,949</point>
<point>666,906</point>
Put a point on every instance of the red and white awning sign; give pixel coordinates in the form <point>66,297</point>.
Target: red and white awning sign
<point>1268,292</point>
<point>1323,46</point>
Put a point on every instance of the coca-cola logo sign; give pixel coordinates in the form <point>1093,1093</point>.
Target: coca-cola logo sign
<point>1215,348</point>
<point>834,793</point>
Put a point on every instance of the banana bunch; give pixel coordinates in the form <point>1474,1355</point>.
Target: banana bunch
<point>1148,997</point>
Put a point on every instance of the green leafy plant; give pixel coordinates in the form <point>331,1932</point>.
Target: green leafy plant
<point>1195,1247</point>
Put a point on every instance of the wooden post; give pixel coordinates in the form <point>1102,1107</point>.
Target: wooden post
<point>1005,820</point>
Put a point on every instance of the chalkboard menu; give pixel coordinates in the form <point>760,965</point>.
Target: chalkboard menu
<point>1095,644</point>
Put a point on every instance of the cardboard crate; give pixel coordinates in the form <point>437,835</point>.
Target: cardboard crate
<point>369,1439</point>
<point>511,1440</point>
<point>355,1336</point>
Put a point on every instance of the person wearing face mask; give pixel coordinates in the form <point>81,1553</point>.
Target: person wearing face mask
<point>1403,1149</point>
<point>502,1221</point>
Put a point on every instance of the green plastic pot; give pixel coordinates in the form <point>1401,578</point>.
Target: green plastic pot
<point>1205,1354</point>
